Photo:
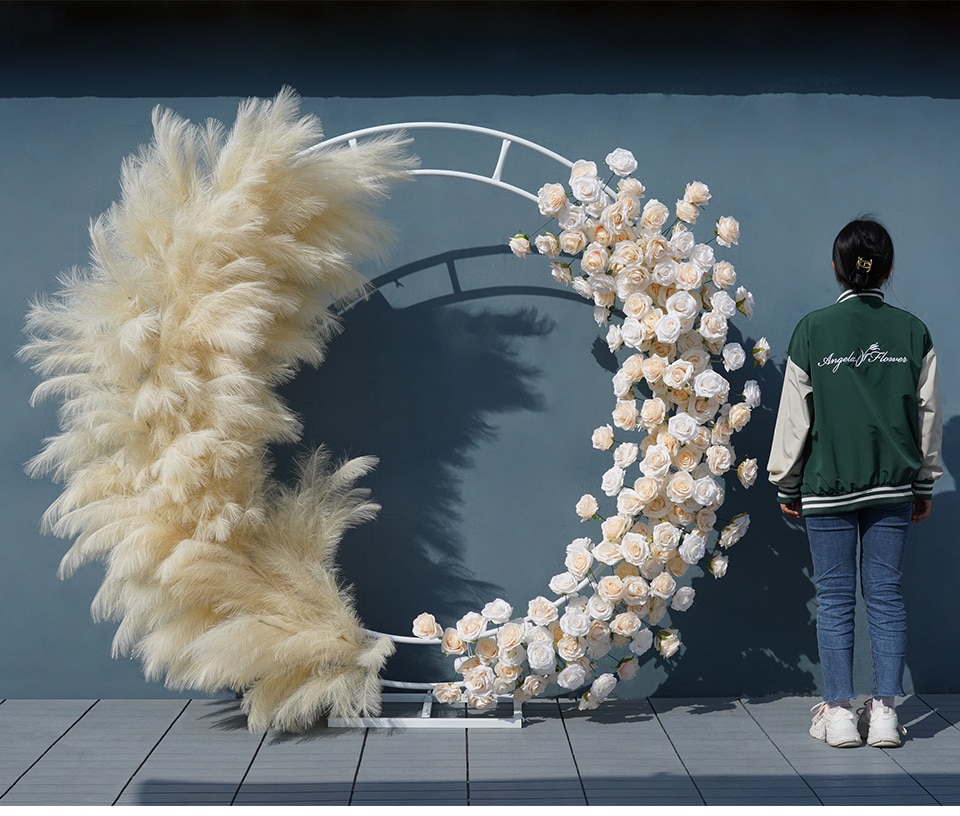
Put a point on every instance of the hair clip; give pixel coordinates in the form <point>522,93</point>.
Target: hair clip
<point>865,264</point>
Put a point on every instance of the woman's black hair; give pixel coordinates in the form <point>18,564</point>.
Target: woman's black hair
<point>862,254</point>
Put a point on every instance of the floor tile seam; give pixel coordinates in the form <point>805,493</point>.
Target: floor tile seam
<point>356,770</point>
<point>573,754</point>
<point>246,771</point>
<point>150,752</point>
<point>48,749</point>
<point>683,764</point>
<point>786,759</point>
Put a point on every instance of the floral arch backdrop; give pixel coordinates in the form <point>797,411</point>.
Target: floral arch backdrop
<point>216,275</point>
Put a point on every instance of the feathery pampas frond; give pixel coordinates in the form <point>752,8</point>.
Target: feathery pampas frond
<point>211,281</point>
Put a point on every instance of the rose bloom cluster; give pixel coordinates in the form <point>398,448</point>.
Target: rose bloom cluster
<point>670,434</point>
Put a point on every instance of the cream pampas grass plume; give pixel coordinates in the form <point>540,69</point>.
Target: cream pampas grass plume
<point>211,281</point>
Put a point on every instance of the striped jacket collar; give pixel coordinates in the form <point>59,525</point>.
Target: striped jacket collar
<point>848,294</point>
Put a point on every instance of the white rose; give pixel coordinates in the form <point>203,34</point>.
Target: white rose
<point>625,414</point>
<point>677,374</point>
<point>520,245</point>
<point>654,216</point>
<point>693,547</point>
<point>728,231</point>
<point>647,489</point>
<point>487,650</point>
<point>663,586</point>
<point>656,462</point>
<point>551,199</point>
<point>636,590</point>
<point>582,288</point>
<point>689,276</point>
<point>706,491</point>
<point>683,600</point>
<point>656,611</point>
<point>572,677</point>
<point>541,657</point>
<point>682,304</point>
<point>626,253</point>
<point>602,438</point>
<point>579,559</point>
<point>497,611</point>
<point>761,351</point>
<point>602,687</point>
<point>632,332</point>
<point>599,608</point>
<point>652,412</point>
<point>613,529</point>
<point>682,243</point>
<point>687,211</point>
<point>612,481</point>
<point>706,519</point>
<point>747,472</point>
<point>668,642</point>
<point>534,685</point>
<point>541,611</point>
<point>511,635</point>
<point>724,275</point>
<point>575,622</point>
<point>709,384</point>
<point>641,641</point>
<point>733,356</point>
<point>586,189</point>
<point>723,304</point>
<point>582,167</point>
<point>739,416</point>
<point>718,565</point>
<point>572,241</point>
<point>735,530</point>
<point>666,536</point>
<point>621,162</point>
<point>683,427</point>
<point>571,648</point>
<point>470,626</point>
<point>702,256</point>
<point>448,693</point>
<point>610,587</point>
<point>657,508</point>
<point>744,300</point>
<point>614,338</point>
<point>665,272</point>
<point>587,506</point>
<point>593,262</point>
<point>751,394</point>
<point>634,548</point>
<point>563,584</point>
<point>625,624</point>
<point>451,643</point>
<point>637,305</point>
<point>668,328</point>
<point>425,626</point>
<point>622,383</point>
<point>629,503</point>
<point>548,245</point>
<point>571,218</point>
<point>697,193</point>
<point>719,459</point>
<point>561,273</point>
<point>633,367</point>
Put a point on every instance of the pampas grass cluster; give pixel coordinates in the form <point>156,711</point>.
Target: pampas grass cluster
<point>211,281</point>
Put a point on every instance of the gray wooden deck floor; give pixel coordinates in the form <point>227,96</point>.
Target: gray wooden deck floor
<point>656,751</point>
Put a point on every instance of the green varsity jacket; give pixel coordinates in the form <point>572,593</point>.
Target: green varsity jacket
<point>859,422</point>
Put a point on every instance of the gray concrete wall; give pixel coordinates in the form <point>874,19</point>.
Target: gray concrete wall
<point>481,408</point>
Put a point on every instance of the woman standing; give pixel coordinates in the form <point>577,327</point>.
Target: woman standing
<point>855,451</point>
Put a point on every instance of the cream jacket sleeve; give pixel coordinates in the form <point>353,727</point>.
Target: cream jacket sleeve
<point>931,427</point>
<point>794,420</point>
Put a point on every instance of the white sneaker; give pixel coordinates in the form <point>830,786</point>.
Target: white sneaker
<point>837,728</point>
<point>879,725</point>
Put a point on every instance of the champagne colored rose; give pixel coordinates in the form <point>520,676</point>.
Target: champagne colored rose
<point>470,626</point>
<point>599,608</point>
<point>551,199</point>
<point>680,487</point>
<point>657,507</point>
<point>610,587</point>
<point>613,529</point>
<point>679,515</point>
<point>697,192</point>
<point>627,253</point>
<point>571,648</point>
<point>653,368</point>
<point>665,272</point>
<point>728,231</point>
<point>683,599</point>
<point>663,586</point>
<point>587,189</point>
<point>655,250</point>
<point>510,635</point>
<point>594,259</point>
<point>676,566</point>
<point>652,412</point>
<point>612,481</point>
<point>425,626</point>
<point>625,624</point>
<point>687,211</point>
<point>631,187</point>
<point>572,241</point>
<point>668,440</point>
<point>487,649</point>
<point>582,167</point>
<point>602,438</point>
<point>561,273</point>
<point>508,672</point>
<point>719,459</point>
<point>587,506</point>
<point>636,590</point>
<point>579,559</point>
<point>451,643</point>
<point>689,275</point>
<point>751,394</point>
<point>646,488</point>
<point>634,548</point>
<point>739,416</point>
<point>547,245</point>
<point>479,681</point>
<point>656,462</point>
<point>721,432</point>
<point>625,414</point>
<point>747,472</point>
<point>615,218</point>
<point>706,520</point>
<point>678,373</point>
<point>497,611</point>
<point>629,503</point>
<point>448,693</point>
<point>687,458</point>
<point>633,367</point>
<point>666,536</point>
<point>520,245</point>
<point>563,584</point>
<point>724,274</point>
<point>654,216</point>
<point>534,685</point>
<point>541,611</point>
<point>713,327</point>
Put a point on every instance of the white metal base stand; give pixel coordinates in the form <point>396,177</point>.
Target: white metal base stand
<point>426,719</point>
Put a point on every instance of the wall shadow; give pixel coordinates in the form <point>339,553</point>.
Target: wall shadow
<point>931,565</point>
<point>419,388</point>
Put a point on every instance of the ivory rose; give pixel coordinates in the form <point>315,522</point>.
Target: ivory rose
<point>447,693</point>
<point>728,231</point>
<point>572,677</point>
<point>563,584</point>
<point>497,611</point>
<point>697,192</point>
<point>602,438</point>
<point>733,356</point>
<point>541,611</point>
<point>579,559</point>
<point>751,393</point>
<point>451,643</point>
<point>547,245</point>
<point>621,162</point>
<point>626,454</point>
<point>683,599</point>
<point>668,642</point>
<point>739,416</point>
<point>724,274</point>
<point>612,481</point>
<point>654,216</point>
<point>470,626</point>
<point>625,414</point>
<point>747,472</point>
<point>551,199</point>
<point>687,211</point>
<point>426,626</point>
<point>587,507</point>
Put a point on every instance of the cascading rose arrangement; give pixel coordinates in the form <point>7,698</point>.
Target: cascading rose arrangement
<point>671,441</point>
<point>211,281</point>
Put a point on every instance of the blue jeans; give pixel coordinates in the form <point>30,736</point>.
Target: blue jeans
<point>882,532</point>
